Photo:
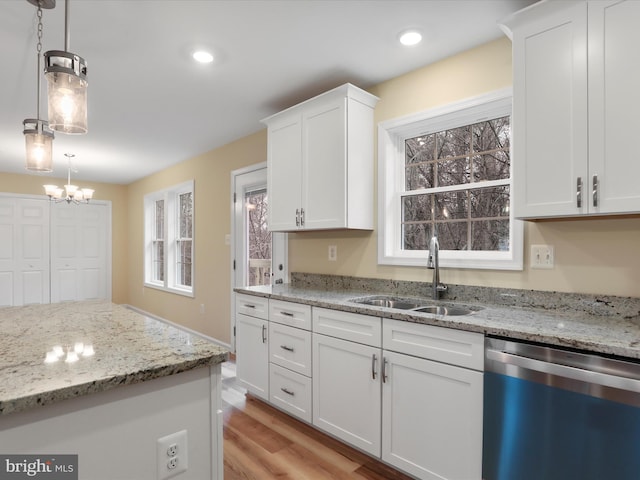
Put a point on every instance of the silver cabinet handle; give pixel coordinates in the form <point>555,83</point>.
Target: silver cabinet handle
<point>595,190</point>
<point>373,366</point>
<point>297,217</point>
<point>288,349</point>
<point>302,217</point>
<point>287,391</point>
<point>248,305</point>
<point>384,370</point>
<point>286,314</point>
<point>579,193</point>
<point>264,334</point>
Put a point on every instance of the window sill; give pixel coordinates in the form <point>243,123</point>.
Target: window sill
<point>177,291</point>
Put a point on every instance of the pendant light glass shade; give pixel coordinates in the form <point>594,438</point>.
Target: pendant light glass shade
<point>66,76</point>
<point>39,143</point>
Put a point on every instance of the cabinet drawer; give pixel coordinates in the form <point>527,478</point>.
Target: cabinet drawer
<point>455,347</point>
<point>253,306</point>
<point>289,313</point>
<point>354,327</point>
<point>290,391</point>
<point>290,348</point>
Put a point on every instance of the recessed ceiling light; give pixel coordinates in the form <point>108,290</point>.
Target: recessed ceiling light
<point>410,37</point>
<point>202,56</point>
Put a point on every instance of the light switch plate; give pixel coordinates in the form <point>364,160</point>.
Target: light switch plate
<point>542,256</point>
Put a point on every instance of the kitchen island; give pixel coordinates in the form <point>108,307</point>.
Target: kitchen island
<point>105,382</point>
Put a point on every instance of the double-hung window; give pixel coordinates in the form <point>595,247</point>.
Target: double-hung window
<point>169,246</point>
<point>447,172</point>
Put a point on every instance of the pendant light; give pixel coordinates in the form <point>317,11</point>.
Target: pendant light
<point>37,134</point>
<point>66,75</point>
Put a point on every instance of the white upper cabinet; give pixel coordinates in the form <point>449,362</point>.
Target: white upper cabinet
<point>320,162</point>
<point>575,77</point>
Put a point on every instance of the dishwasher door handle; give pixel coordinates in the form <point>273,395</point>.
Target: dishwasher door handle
<point>574,373</point>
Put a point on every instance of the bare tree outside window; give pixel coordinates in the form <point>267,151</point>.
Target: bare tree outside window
<point>158,242</point>
<point>259,238</point>
<point>184,241</point>
<point>457,183</point>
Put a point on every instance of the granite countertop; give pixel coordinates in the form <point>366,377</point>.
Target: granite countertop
<point>127,347</point>
<point>589,323</point>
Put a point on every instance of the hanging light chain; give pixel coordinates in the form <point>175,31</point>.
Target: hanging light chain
<point>39,49</point>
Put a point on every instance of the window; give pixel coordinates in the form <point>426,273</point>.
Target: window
<point>169,248</point>
<point>447,172</point>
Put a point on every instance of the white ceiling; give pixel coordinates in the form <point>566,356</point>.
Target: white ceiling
<point>151,105</point>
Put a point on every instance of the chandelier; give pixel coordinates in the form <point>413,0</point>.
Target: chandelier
<point>66,75</point>
<point>70,193</point>
<point>37,134</point>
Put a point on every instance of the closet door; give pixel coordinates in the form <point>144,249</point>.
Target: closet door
<point>80,252</point>
<point>24,251</point>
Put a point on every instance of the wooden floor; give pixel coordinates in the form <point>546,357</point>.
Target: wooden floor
<point>260,442</point>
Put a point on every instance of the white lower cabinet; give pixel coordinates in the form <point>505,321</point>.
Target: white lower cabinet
<point>252,354</point>
<point>252,347</point>
<point>432,418</point>
<point>346,391</point>
<point>290,392</point>
<point>407,393</point>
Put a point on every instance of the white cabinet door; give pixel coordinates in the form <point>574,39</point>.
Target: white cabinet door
<point>346,391</point>
<point>252,354</point>
<point>432,418</point>
<point>80,252</point>
<point>614,100</point>
<point>324,166</point>
<point>284,173</point>
<point>24,251</point>
<point>550,122</point>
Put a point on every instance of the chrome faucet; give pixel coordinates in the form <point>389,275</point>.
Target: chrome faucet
<point>433,263</point>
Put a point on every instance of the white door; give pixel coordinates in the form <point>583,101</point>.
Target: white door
<point>80,246</point>
<point>24,251</point>
<point>346,391</point>
<point>431,418</point>
<point>259,257</point>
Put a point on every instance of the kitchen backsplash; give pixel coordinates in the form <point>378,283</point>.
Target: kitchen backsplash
<point>603,305</point>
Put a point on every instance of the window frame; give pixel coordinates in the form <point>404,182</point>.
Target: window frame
<point>391,165</point>
<point>171,197</point>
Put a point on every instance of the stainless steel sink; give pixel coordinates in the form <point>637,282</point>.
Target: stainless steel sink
<point>388,303</point>
<point>415,305</point>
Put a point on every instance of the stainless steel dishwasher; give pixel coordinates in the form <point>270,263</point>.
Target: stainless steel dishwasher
<point>555,414</point>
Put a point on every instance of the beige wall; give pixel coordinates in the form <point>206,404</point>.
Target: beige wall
<point>32,185</point>
<point>212,174</point>
<point>592,256</point>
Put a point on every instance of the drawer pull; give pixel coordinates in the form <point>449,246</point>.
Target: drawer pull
<point>286,314</point>
<point>248,305</point>
<point>373,366</point>
<point>384,370</point>
<point>287,391</point>
<point>579,192</point>
<point>288,349</point>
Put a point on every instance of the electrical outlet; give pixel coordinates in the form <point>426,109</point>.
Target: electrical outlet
<point>542,256</point>
<point>171,455</point>
<point>333,253</point>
